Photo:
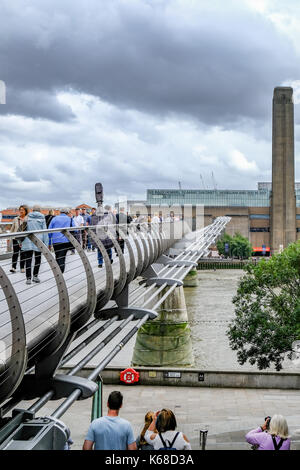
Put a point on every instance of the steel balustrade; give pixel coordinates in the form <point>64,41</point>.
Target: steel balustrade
<point>45,345</point>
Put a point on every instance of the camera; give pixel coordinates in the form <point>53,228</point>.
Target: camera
<point>267,420</point>
<point>158,423</point>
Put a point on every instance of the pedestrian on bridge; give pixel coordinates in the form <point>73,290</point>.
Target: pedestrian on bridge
<point>123,220</point>
<point>49,217</point>
<point>110,432</point>
<point>139,219</point>
<point>92,220</point>
<point>79,222</point>
<point>86,220</point>
<point>155,219</point>
<point>171,217</point>
<point>19,225</point>
<point>35,221</point>
<point>107,221</point>
<point>60,242</point>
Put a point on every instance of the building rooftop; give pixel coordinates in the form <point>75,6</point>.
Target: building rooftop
<point>216,197</point>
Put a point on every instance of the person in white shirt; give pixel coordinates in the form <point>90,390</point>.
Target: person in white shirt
<point>86,219</point>
<point>166,437</point>
<point>155,219</point>
<point>78,222</point>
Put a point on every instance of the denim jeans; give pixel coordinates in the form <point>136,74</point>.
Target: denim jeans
<point>100,257</point>
<point>89,243</point>
<point>28,255</point>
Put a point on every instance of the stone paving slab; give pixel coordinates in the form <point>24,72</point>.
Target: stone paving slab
<point>225,411</point>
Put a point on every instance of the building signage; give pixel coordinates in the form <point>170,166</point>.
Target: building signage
<point>226,246</point>
<point>201,377</point>
<point>264,249</point>
<point>172,375</point>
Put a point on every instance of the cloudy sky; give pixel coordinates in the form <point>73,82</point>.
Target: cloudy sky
<point>141,94</point>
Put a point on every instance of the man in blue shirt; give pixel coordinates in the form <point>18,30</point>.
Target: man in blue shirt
<point>110,432</point>
<point>61,243</point>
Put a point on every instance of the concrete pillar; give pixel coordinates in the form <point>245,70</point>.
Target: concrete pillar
<point>191,279</point>
<point>166,341</point>
<point>283,199</point>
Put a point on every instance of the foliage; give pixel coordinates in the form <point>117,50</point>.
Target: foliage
<point>267,310</point>
<point>238,245</point>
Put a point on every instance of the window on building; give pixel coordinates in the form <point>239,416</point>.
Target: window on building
<point>259,229</point>
<point>259,216</point>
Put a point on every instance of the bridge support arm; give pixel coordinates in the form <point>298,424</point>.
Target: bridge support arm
<point>62,386</point>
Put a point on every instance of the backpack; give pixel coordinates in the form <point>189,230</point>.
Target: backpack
<point>103,221</point>
<point>277,446</point>
<point>170,446</point>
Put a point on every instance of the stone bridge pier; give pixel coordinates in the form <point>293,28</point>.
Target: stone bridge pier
<point>166,341</point>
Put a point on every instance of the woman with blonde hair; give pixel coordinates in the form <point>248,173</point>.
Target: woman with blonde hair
<point>272,435</point>
<point>140,441</point>
<point>49,217</point>
<point>166,437</point>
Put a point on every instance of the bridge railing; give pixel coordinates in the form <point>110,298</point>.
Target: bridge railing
<point>37,320</point>
<point>5,242</point>
<point>146,251</point>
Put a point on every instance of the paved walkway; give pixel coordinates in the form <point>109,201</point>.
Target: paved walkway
<point>229,413</point>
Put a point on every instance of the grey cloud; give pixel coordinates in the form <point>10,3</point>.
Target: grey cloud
<point>27,174</point>
<point>216,67</point>
<point>36,104</point>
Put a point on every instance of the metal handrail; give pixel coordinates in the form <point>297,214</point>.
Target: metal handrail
<point>60,332</point>
<point>150,253</point>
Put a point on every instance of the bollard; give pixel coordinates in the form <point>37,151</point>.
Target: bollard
<point>203,438</point>
<point>97,400</point>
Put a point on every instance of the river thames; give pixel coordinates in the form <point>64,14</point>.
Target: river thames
<point>210,310</point>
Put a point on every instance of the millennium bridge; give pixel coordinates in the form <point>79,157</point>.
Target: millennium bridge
<point>38,323</point>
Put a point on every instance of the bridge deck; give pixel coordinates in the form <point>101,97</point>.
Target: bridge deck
<point>40,301</point>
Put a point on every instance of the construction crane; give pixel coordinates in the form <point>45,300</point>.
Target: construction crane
<point>202,181</point>
<point>214,181</point>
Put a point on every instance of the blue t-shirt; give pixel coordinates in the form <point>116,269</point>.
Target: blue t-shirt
<point>110,433</point>
<point>86,218</point>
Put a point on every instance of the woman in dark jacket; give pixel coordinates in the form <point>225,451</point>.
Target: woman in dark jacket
<point>35,221</point>
<point>17,224</point>
<point>49,217</point>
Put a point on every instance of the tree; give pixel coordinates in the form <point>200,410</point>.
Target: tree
<point>221,244</point>
<point>241,247</point>
<point>238,246</point>
<point>267,310</point>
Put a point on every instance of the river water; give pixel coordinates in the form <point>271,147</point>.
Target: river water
<point>210,310</point>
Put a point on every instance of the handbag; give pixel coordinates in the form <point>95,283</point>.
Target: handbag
<point>22,228</point>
